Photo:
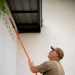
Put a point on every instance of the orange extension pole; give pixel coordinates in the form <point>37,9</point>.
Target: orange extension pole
<point>20,41</point>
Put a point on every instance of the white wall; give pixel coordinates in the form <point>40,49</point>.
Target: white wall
<point>58,30</point>
<point>8,46</point>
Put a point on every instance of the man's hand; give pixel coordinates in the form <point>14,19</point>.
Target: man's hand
<point>32,67</point>
<point>30,63</point>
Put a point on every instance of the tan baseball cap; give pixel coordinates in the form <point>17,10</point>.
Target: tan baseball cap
<point>59,51</point>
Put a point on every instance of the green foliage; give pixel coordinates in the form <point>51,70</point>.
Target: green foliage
<point>2,7</point>
<point>0,14</point>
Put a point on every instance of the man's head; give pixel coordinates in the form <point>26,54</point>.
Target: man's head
<point>56,53</point>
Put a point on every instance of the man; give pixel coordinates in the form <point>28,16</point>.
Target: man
<point>51,67</point>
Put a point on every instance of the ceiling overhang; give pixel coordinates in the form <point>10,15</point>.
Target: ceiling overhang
<point>27,15</point>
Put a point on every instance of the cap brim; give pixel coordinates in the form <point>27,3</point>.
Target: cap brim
<point>52,48</point>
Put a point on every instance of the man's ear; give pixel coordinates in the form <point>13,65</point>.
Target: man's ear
<point>55,57</point>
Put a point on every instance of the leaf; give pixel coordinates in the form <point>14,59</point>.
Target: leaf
<point>2,7</point>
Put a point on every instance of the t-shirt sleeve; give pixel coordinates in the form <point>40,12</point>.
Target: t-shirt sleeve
<point>45,66</point>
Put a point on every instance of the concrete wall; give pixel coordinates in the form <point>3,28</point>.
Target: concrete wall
<point>8,46</point>
<point>58,30</point>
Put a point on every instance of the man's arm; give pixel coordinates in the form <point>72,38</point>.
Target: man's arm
<point>32,67</point>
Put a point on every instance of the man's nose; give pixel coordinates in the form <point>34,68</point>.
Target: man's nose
<point>49,52</point>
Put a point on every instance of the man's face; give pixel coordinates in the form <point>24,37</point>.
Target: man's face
<point>52,54</point>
